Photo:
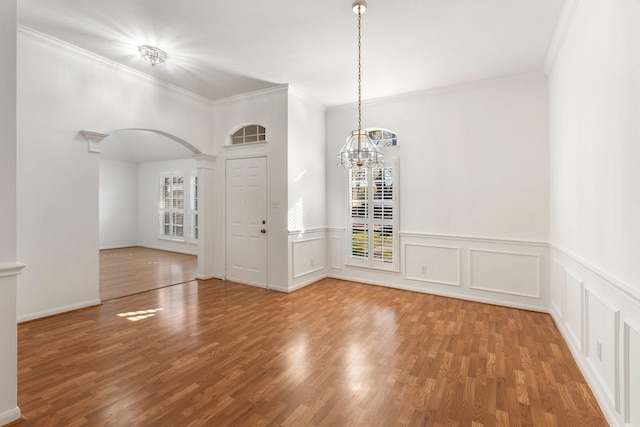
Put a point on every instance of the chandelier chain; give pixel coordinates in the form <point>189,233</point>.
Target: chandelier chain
<point>359,151</point>
<point>359,70</point>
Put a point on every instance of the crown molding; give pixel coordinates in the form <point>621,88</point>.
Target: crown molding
<point>30,32</point>
<point>443,90</point>
<point>244,96</point>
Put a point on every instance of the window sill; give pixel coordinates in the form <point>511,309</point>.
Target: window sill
<point>392,268</point>
<point>170,239</point>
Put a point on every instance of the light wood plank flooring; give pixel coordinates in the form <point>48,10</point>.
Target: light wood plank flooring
<point>335,353</point>
<point>128,271</point>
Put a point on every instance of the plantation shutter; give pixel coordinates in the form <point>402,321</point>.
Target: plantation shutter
<point>373,217</point>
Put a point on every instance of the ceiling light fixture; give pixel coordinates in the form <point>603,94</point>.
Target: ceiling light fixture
<point>152,54</point>
<point>359,151</point>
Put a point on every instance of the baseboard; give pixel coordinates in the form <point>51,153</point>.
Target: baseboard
<point>106,248</point>
<point>58,310</point>
<point>278,288</point>
<point>306,283</point>
<point>10,416</point>
<point>176,250</point>
<point>587,372</point>
<point>446,294</point>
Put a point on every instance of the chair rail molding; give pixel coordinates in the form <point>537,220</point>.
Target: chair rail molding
<point>11,269</point>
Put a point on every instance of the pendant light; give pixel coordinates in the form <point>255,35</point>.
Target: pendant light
<point>359,151</point>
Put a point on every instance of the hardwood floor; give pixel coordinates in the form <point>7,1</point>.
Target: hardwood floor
<point>129,271</point>
<point>335,353</point>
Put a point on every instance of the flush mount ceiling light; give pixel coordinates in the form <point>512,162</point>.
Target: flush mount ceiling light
<point>359,151</point>
<point>152,54</point>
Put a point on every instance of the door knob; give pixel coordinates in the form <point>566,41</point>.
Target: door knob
<point>263,231</point>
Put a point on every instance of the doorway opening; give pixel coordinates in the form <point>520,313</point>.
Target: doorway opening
<point>148,218</point>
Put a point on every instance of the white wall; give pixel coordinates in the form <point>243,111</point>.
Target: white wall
<point>148,174</point>
<point>9,268</point>
<point>473,164</point>
<point>118,202</point>
<point>595,198</point>
<point>306,166</point>
<point>62,90</point>
<point>269,109</point>
<point>307,207</point>
<point>473,159</point>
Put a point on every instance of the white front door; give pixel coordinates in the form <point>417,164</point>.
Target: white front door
<point>247,221</point>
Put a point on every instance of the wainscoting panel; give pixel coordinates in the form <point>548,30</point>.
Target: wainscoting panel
<point>573,308</point>
<point>605,313</point>
<point>602,330</point>
<point>632,374</point>
<point>505,272</point>
<point>428,263</point>
<point>557,286</point>
<point>336,252</point>
<point>308,256</point>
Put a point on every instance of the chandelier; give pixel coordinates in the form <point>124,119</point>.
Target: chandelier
<point>153,55</point>
<point>359,151</point>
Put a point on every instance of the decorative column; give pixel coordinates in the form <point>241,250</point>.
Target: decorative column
<point>206,218</point>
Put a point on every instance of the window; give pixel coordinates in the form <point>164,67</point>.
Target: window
<point>248,134</point>
<point>178,207</point>
<point>373,217</point>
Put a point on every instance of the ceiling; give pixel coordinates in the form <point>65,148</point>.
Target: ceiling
<point>222,48</point>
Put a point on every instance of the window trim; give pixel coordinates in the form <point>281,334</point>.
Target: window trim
<point>193,200</point>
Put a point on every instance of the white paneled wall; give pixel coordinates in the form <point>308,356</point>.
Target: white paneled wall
<point>556,288</point>
<point>504,272</point>
<point>602,333</point>
<point>600,320</point>
<point>308,255</point>
<point>431,263</point>
<point>594,199</point>
<point>573,309</point>
<point>631,372</point>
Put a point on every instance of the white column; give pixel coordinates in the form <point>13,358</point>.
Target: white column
<point>9,267</point>
<point>206,218</point>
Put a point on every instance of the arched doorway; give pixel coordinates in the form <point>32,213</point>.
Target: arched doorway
<point>148,213</point>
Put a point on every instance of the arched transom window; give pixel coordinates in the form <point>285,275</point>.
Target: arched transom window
<point>382,137</point>
<point>248,134</point>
